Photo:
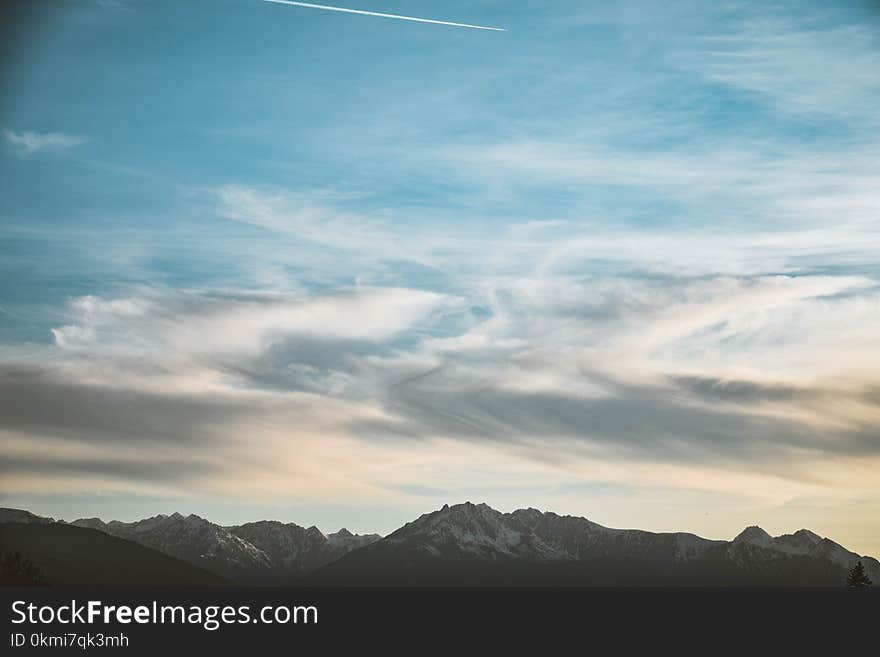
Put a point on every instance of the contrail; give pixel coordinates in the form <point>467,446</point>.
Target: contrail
<point>380,15</point>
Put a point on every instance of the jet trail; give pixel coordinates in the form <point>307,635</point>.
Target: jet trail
<point>380,15</point>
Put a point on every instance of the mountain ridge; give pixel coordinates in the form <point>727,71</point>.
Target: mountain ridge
<point>261,552</point>
<point>473,543</point>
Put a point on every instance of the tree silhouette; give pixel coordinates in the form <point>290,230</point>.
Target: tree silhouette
<point>16,570</point>
<point>857,579</point>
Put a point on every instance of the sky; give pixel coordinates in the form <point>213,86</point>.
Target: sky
<point>619,261</point>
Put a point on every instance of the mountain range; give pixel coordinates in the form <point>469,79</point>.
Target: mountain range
<point>476,545</point>
<point>263,552</point>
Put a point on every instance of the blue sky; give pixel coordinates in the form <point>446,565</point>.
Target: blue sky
<point>619,261</point>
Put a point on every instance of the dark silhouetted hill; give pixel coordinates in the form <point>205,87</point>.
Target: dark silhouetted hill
<point>69,555</point>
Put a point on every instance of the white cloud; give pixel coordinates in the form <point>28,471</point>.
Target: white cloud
<point>802,65</point>
<point>27,142</point>
<point>309,218</point>
<point>195,323</point>
<point>780,184</point>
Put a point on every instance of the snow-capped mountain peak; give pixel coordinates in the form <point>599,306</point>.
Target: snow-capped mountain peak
<point>465,529</point>
<point>754,535</point>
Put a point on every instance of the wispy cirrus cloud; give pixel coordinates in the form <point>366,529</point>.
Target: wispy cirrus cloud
<point>306,217</point>
<point>780,184</point>
<point>27,142</point>
<point>801,65</point>
<point>677,372</point>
